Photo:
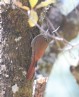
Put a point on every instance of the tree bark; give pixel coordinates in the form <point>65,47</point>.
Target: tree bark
<point>17,36</point>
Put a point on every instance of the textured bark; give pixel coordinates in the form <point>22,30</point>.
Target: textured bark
<point>16,37</point>
<point>17,52</point>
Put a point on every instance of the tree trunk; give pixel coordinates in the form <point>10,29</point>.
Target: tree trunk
<point>16,53</point>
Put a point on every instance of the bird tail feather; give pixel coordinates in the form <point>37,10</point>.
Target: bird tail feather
<point>31,71</point>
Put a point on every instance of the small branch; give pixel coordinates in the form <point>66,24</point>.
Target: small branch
<point>59,38</point>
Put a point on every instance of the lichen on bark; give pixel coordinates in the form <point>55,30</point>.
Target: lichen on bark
<point>17,51</point>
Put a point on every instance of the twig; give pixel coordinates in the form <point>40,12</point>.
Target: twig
<point>55,31</point>
<point>59,38</point>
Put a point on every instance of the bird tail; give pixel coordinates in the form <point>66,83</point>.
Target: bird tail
<point>31,71</point>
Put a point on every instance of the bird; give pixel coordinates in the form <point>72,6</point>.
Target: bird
<point>39,45</point>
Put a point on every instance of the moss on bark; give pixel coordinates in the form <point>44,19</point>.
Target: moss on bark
<point>17,51</point>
